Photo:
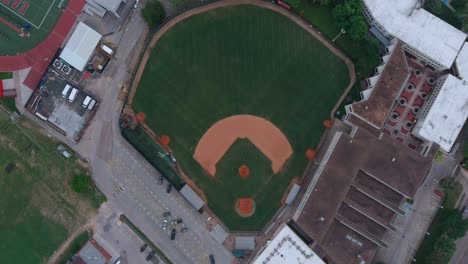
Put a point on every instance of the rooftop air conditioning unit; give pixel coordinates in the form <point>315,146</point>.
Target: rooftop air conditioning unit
<point>58,63</point>
<point>66,69</point>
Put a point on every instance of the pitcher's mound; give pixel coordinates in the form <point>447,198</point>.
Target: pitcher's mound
<point>245,207</point>
<point>244,172</point>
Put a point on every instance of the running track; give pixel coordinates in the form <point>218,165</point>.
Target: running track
<point>39,57</point>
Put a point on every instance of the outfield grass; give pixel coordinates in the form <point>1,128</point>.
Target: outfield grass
<point>13,44</point>
<point>240,60</point>
<point>38,209</point>
<point>363,53</point>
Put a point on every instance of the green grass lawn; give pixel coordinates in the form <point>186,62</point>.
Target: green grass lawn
<point>38,208</point>
<point>240,60</point>
<point>12,43</point>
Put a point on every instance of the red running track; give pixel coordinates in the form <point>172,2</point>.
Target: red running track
<point>39,57</point>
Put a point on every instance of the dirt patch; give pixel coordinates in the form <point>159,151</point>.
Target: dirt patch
<point>261,132</point>
<point>245,207</point>
<point>244,172</point>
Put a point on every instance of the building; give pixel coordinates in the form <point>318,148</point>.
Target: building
<point>286,247</point>
<point>356,193</point>
<point>91,253</point>
<point>100,7</point>
<point>445,112</point>
<point>80,47</point>
<point>428,37</point>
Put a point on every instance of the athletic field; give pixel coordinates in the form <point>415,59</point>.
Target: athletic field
<point>241,60</point>
<point>36,17</point>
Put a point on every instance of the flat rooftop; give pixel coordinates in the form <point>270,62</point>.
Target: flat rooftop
<point>379,104</point>
<point>370,177</point>
<point>447,114</point>
<point>420,29</point>
<point>462,62</point>
<point>287,247</point>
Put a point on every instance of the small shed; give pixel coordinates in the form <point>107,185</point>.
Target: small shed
<point>219,234</point>
<point>192,197</point>
<point>245,243</point>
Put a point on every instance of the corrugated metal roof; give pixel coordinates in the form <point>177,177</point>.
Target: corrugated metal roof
<point>246,243</point>
<point>192,197</point>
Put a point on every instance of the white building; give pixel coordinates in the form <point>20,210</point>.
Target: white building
<point>427,36</point>
<point>80,47</point>
<point>287,247</point>
<point>445,112</point>
<point>461,63</point>
<point>100,7</point>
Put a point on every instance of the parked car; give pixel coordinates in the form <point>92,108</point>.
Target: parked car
<point>173,233</point>
<point>143,248</point>
<point>118,261</point>
<point>166,214</point>
<point>161,179</point>
<point>165,224</point>
<point>439,193</point>
<point>169,187</point>
<point>176,221</point>
<point>212,259</point>
<point>150,255</point>
<point>183,230</point>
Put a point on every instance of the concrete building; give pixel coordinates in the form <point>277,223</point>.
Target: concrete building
<point>286,247</point>
<point>428,37</point>
<point>80,47</point>
<point>355,194</point>
<point>100,7</point>
<point>444,113</point>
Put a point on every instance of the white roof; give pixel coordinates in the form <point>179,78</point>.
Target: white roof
<point>447,114</point>
<point>419,28</point>
<point>80,46</point>
<point>462,62</point>
<point>287,247</point>
<point>110,5</point>
<point>192,197</point>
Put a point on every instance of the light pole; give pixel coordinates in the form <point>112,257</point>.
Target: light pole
<point>342,31</point>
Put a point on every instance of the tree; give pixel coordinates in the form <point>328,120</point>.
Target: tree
<point>348,15</point>
<point>293,3</point>
<point>153,13</point>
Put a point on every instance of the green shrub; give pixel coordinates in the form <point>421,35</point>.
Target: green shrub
<point>153,13</point>
<point>349,16</point>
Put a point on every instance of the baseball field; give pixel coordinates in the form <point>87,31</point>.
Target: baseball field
<point>242,93</point>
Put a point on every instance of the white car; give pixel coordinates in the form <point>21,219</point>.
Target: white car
<point>165,223</point>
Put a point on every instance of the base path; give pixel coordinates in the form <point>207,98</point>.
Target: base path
<point>296,19</point>
<point>261,132</point>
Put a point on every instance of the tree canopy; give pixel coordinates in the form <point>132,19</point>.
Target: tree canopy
<point>349,16</point>
<point>153,13</point>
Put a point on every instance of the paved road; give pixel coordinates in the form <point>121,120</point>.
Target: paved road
<point>128,181</point>
<point>461,254</point>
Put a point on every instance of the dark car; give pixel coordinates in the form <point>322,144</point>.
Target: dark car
<point>212,260</point>
<point>161,179</point>
<point>169,187</point>
<point>166,214</point>
<point>183,230</point>
<point>150,255</point>
<point>177,221</point>
<point>173,233</point>
<point>143,248</point>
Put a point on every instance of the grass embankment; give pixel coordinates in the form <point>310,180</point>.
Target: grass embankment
<point>38,208</point>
